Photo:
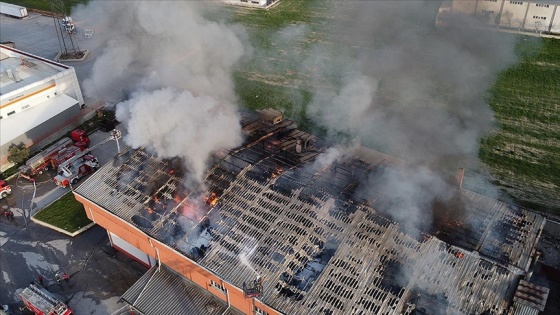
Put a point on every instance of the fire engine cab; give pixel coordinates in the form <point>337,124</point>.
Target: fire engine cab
<point>72,170</point>
<point>5,189</point>
<point>42,302</point>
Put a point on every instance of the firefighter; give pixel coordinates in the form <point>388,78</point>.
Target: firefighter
<point>10,215</point>
<point>57,277</point>
<point>65,277</point>
<point>40,280</point>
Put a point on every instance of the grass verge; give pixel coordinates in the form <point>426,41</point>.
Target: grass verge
<point>65,213</point>
<point>45,5</point>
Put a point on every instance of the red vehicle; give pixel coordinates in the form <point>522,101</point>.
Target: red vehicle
<point>80,138</point>
<point>57,153</point>
<point>72,170</point>
<point>5,189</point>
<point>42,302</point>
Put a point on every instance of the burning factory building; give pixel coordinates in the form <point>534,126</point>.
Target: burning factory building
<point>276,230</point>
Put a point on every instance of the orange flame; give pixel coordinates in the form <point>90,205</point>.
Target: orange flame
<point>459,255</point>
<point>211,200</point>
<point>277,171</point>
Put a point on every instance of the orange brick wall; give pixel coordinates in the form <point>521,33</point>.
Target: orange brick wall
<point>171,258</point>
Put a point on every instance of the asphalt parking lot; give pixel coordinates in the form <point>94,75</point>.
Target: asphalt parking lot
<point>36,35</point>
<point>99,275</point>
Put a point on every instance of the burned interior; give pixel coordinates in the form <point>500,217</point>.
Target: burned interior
<point>269,210</point>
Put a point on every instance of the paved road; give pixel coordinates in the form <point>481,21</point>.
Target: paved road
<point>46,190</point>
<point>36,35</point>
<point>99,274</point>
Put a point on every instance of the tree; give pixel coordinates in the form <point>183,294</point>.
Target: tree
<point>18,153</point>
<point>508,15</point>
<point>538,27</point>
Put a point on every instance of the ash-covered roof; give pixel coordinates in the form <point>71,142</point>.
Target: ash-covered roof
<point>272,208</point>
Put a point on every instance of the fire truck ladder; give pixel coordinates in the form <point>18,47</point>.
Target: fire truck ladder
<point>71,160</point>
<point>57,305</point>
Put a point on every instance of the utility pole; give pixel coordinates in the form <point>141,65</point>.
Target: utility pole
<point>65,30</point>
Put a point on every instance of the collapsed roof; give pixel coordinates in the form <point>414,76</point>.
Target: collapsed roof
<point>268,209</point>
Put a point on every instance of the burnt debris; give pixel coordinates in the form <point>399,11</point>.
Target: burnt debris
<point>274,209</point>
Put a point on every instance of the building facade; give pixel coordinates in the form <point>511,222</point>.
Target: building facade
<point>529,16</point>
<point>38,97</point>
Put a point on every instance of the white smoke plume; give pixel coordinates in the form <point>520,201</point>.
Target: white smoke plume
<point>410,90</point>
<point>173,69</point>
<point>195,127</point>
<point>331,155</point>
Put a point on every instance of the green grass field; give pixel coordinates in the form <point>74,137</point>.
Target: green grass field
<point>275,80</point>
<point>524,154</point>
<point>65,213</point>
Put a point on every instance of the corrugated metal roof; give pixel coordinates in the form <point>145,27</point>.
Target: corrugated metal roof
<point>520,309</point>
<point>162,291</point>
<point>298,225</point>
<point>531,295</point>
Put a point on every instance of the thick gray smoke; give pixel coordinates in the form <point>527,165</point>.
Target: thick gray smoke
<point>411,91</point>
<point>414,90</point>
<point>173,69</point>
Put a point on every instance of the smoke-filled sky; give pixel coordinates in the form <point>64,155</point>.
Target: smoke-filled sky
<point>387,79</point>
<point>418,92</point>
<point>409,89</point>
<point>391,80</point>
<point>172,67</point>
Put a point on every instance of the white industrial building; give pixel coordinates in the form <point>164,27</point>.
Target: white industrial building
<point>38,98</point>
<point>252,3</point>
<point>528,16</point>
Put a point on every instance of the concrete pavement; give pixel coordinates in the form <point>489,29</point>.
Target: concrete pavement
<point>36,35</point>
<point>46,191</point>
<point>98,274</point>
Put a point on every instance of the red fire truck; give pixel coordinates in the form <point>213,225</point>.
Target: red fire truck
<point>57,153</point>
<point>42,302</point>
<point>5,189</point>
<point>81,164</point>
<point>72,170</point>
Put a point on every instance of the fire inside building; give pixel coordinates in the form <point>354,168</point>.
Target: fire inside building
<point>277,233</point>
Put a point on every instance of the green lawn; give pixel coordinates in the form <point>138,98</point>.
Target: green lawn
<point>65,213</point>
<point>272,77</point>
<point>524,154</point>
